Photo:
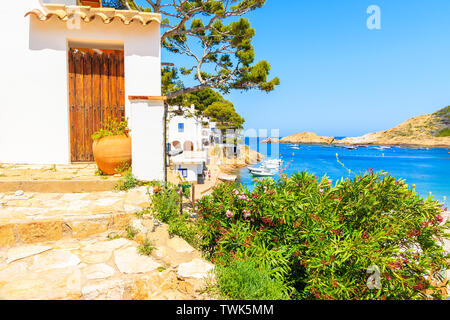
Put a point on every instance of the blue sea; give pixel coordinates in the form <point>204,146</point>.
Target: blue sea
<point>427,168</point>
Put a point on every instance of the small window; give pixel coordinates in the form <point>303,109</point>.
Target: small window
<point>184,173</point>
<point>181,127</point>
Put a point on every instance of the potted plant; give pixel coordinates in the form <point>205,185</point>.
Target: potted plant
<point>112,146</point>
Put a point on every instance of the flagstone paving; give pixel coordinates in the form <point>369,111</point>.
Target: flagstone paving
<point>76,171</point>
<point>98,268</point>
<point>37,217</point>
<point>72,246</point>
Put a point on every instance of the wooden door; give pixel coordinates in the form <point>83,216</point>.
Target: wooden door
<point>96,93</point>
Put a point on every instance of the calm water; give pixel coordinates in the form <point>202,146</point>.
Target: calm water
<point>428,169</point>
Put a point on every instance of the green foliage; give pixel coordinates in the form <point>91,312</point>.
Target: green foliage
<point>124,167</point>
<point>217,43</point>
<point>146,248</point>
<point>113,236</point>
<point>166,208</point>
<point>127,182</point>
<point>225,115</point>
<point>166,203</point>
<point>443,133</point>
<point>111,127</point>
<point>320,239</point>
<point>444,112</point>
<point>247,280</point>
<point>142,213</point>
<point>130,233</point>
<point>99,172</point>
<point>203,99</point>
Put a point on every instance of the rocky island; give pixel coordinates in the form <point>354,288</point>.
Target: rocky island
<point>302,138</point>
<point>430,130</point>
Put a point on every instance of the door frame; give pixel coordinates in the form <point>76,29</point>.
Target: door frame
<point>72,43</point>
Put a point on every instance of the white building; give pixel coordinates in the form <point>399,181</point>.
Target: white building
<point>194,136</point>
<point>187,131</point>
<point>65,68</point>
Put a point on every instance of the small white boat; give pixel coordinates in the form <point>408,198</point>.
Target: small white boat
<point>383,148</point>
<point>272,164</point>
<point>351,147</point>
<point>228,178</point>
<point>263,173</point>
<point>256,170</point>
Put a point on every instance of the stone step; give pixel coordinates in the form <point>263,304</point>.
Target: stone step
<point>27,218</point>
<point>97,268</point>
<point>32,232</point>
<point>61,186</point>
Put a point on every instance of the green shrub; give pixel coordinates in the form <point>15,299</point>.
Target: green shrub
<point>443,133</point>
<point>245,280</point>
<point>130,233</point>
<point>166,203</point>
<point>322,240</point>
<point>111,127</point>
<point>166,208</point>
<point>127,182</point>
<point>146,248</point>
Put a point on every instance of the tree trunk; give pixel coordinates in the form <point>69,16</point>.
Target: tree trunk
<point>193,89</point>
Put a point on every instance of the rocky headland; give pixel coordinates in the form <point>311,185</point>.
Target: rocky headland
<point>430,130</point>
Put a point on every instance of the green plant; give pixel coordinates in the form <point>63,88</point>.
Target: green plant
<point>443,133</point>
<point>166,208</point>
<point>146,248</point>
<point>140,214</point>
<point>127,182</point>
<point>111,127</point>
<point>322,240</point>
<point>99,172</point>
<point>130,233</point>
<point>124,167</point>
<point>247,280</point>
<point>166,203</point>
<point>113,236</point>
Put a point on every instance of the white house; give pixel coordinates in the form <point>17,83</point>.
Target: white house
<point>194,136</point>
<point>188,131</point>
<point>65,68</point>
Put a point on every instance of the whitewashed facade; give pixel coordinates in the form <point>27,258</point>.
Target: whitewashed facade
<point>34,116</point>
<point>194,136</point>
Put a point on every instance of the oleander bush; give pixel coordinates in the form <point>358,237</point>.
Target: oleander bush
<point>371,237</point>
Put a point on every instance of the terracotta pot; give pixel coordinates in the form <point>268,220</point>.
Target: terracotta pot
<point>112,152</point>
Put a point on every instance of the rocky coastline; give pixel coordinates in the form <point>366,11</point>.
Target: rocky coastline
<point>429,130</point>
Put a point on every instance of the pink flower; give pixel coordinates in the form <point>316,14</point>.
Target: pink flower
<point>230,214</point>
<point>242,197</point>
<point>388,277</point>
<point>321,190</point>
<point>235,192</point>
<point>246,214</point>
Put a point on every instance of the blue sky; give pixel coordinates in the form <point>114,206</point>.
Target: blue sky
<point>338,77</point>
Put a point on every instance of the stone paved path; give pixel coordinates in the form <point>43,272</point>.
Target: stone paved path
<point>72,246</point>
<point>98,268</point>
<point>37,217</point>
<point>77,171</point>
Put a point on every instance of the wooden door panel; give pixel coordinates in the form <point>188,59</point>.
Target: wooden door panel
<point>96,93</point>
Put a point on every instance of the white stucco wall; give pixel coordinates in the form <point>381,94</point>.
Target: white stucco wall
<point>147,138</point>
<point>193,170</point>
<point>34,114</point>
<point>191,132</point>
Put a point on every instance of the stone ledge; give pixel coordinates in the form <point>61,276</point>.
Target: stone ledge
<point>58,186</point>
